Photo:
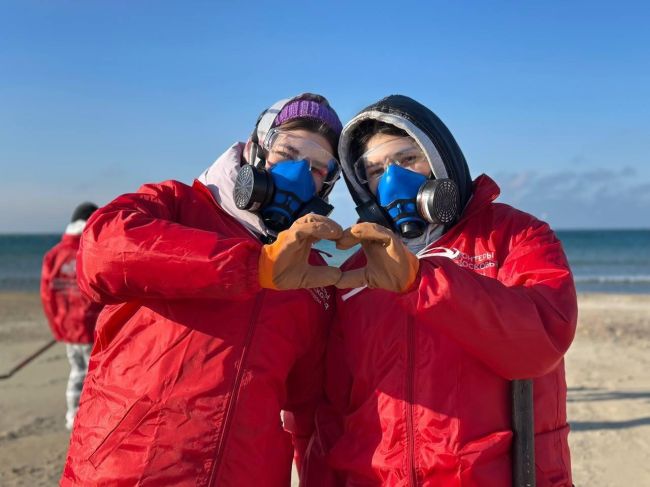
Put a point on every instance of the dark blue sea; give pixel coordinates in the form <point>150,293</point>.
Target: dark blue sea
<point>611,261</point>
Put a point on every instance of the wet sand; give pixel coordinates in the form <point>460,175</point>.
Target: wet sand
<point>607,375</point>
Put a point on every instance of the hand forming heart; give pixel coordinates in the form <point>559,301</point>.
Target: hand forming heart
<point>390,264</point>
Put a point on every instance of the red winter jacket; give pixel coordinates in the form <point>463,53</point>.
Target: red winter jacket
<point>193,362</point>
<point>418,383</point>
<point>70,314</point>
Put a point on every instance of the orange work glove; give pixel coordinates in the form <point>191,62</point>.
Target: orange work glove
<point>391,265</point>
<point>284,263</point>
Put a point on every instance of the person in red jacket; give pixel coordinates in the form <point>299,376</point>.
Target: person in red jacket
<point>70,314</point>
<point>216,314</point>
<point>451,297</point>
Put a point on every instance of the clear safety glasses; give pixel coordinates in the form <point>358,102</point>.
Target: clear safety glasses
<point>285,146</point>
<point>402,151</point>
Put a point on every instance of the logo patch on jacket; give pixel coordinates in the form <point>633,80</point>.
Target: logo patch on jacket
<point>69,268</point>
<point>67,277</point>
<point>476,262</point>
<point>321,296</point>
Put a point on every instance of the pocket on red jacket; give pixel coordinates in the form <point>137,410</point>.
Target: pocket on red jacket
<point>552,460</point>
<point>486,461</point>
<point>129,423</point>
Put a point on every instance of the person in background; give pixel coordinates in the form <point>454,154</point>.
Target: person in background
<point>71,315</point>
<point>451,297</point>
<point>216,314</point>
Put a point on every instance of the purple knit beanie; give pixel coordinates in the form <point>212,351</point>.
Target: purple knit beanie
<point>308,105</point>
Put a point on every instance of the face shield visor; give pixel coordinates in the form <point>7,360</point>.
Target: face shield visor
<point>298,175</point>
<point>402,151</point>
<point>397,173</point>
<point>283,146</point>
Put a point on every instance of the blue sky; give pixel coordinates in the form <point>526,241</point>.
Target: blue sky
<point>551,99</point>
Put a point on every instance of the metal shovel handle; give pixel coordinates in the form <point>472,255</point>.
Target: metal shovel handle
<point>523,442</point>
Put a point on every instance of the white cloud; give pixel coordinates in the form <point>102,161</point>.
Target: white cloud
<point>580,198</point>
<point>569,198</point>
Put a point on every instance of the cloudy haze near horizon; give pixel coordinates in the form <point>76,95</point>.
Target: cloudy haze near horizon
<point>552,101</point>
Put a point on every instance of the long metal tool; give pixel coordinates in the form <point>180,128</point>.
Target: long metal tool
<point>28,360</point>
<point>523,427</point>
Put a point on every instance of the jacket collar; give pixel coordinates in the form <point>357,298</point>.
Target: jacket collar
<point>75,227</point>
<point>68,238</point>
<point>484,192</point>
<point>220,180</point>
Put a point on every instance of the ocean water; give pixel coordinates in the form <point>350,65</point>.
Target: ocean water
<point>21,257</point>
<point>616,261</point>
<point>611,261</point>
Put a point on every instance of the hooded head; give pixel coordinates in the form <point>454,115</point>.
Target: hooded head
<point>83,211</point>
<point>240,180</point>
<point>449,174</point>
<point>292,161</point>
<point>79,217</point>
<point>306,112</point>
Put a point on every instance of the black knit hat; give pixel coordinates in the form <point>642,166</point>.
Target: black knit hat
<point>83,211</point>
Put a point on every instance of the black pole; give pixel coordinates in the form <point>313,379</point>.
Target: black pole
<point>27,360</point>
<point>523,442</point>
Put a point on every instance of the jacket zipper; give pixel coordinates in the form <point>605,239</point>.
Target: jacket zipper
<point>410,431</point>
<point>234,394</point>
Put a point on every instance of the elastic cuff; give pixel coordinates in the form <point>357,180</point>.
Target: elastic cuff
<point>414,285</point>
<point>265,269</point>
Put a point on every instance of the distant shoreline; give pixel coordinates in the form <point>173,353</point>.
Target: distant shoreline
<point>610,261</point>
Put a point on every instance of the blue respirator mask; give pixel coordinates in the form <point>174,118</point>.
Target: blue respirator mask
<point>287,190</point>
<point>398,173</point>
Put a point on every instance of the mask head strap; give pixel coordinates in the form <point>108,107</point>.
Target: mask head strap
<point>261,131</point>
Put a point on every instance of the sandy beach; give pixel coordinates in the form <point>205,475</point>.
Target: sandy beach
<point>607,374</point>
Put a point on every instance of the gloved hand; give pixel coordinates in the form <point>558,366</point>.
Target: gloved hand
<point>284,263</point>
<point>391,265</point>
